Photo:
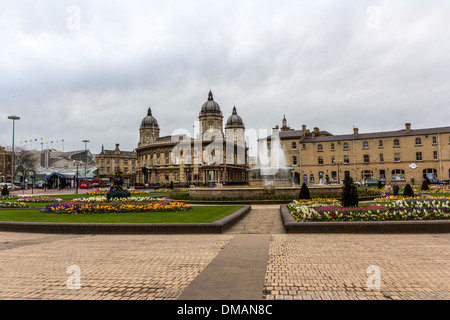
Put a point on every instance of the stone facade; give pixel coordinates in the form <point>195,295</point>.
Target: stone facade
<point>214,157</point>
<point>108,161</point>
<point>403,156</point>
<point>5,164</point>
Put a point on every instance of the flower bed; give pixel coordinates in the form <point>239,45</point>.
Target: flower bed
<point>13,205</point>
<point>8,197</point>
<point>39,199</point>
<point>104,199</point>
<point>400,209</point>
<point>400,197</point>
<point>105,192</point>
<point>115,207</point>
<point>433,189</point>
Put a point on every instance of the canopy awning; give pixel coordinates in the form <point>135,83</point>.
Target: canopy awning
<point>60,175</point>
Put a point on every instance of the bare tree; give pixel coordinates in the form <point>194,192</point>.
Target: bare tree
<point>25,162</point>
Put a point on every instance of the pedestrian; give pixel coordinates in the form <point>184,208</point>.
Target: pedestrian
<point>395,188</point>
<point>387,189</point>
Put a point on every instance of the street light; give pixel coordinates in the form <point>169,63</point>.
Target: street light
<point>338,163</point>
<point>13,118</point>
<point>85,163</point>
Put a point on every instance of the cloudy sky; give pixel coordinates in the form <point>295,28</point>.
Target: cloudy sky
<point>75,70</point>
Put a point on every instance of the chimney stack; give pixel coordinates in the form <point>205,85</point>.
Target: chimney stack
<point>315,133</point>
<point>304,130</point>
<point>276,129</point>
<point>355,131</point>
<point>408,127</point>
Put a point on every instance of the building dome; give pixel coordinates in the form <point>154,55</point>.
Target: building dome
<point>149,120</point>
<point>210,106</point>
<point>235,119</point>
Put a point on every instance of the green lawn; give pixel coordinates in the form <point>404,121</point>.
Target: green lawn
<point>195,215</point>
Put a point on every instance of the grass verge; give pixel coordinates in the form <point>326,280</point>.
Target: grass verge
<point>205,214</point>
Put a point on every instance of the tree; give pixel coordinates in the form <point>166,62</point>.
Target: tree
<point>380,184</point>
<point>304,192</point>
<point>5,191</point>
<point>408,191</point>
<point>424,186</point>
<point>25,162</point>
<point>349,193</point>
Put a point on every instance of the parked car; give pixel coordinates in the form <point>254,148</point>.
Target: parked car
<point>371,183</point>
<point>357,183</point>
<point>436,181</point>
<point>9,186</point>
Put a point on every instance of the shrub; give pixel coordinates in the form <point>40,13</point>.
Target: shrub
<point>424,186</point>
<point>304,192</point>
<point>349,193</point>
<point>408,191</point>
<point>5,191</point>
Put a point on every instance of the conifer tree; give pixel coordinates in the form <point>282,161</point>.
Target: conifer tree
<point>349,193</point>
<point>408,191</point>
<point>424,186</point>
<point>304,192</point>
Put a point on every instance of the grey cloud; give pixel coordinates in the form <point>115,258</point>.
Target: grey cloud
<point>316,62</point>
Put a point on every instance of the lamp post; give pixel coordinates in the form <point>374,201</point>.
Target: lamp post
<point>32,182</point>
<point>85,163</point>
<point>338,163</point>
<point>13,118</point>
<point>76,180</point>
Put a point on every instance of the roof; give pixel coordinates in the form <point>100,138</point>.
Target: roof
<point>149,120</point>
<point>375,135</point>
<point>235,119</point>
<point>296,134</point>
<point>210,106</point>
<point>122,153</point>
<point>64,176</point>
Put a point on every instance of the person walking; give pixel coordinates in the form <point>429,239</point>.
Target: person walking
<point>387,189</point>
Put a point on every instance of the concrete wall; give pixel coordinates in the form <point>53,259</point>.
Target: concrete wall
<point>264,192</point>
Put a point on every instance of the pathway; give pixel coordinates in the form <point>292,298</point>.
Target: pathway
<point>238,271</point>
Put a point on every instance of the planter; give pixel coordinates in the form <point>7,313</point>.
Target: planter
<point>118,195</point>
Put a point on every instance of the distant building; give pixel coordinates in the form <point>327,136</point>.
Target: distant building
<point>108,161</point>
<point>215,156</point>
<point>5,164</point>
<point>402,156</point>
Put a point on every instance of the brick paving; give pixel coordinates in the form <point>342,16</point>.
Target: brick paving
<point>335,267</point>
<point>111,267</point>
<point>299,266</point>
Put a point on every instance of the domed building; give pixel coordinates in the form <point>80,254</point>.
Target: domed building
<point>212,157</point>
<point>235,121</point>
<point>149,130</point>
<point>210,116</point>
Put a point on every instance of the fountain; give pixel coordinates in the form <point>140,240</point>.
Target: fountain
<point>270,179</point>
<point>271,170</point>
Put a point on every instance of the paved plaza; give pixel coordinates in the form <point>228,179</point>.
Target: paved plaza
<point>254,259</point>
